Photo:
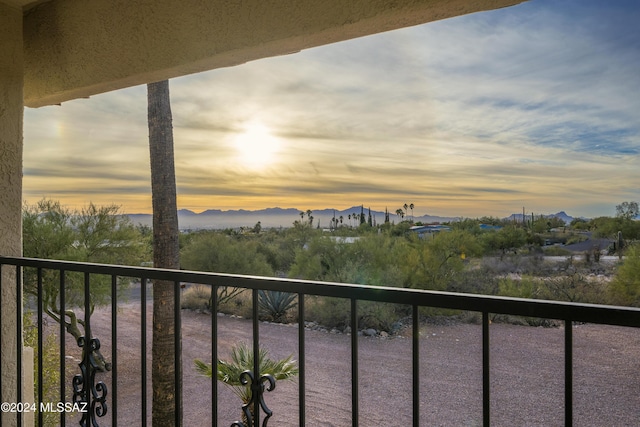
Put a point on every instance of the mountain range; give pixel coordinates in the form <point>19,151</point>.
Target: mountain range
<point>285,217</point>
<point>561,215</point>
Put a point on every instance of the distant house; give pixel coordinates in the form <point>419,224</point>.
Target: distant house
<point>428,230</point>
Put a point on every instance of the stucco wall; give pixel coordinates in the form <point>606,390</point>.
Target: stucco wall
<point>11,112</point>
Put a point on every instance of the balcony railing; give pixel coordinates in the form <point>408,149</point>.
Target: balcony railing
<point>103,405</point>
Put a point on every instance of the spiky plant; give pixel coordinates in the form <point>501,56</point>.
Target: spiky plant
<point>276,304</point>
<point>242,360</point>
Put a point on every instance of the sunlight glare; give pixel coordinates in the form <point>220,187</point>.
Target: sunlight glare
<point>256,146</point>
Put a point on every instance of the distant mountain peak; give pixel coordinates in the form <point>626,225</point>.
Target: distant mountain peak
<point>186,212</point>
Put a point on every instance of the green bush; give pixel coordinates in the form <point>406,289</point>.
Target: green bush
<point>327,311</point>
<point>219,253</point>
<point>336,313</point>
<point>230,300</point>
<point>574,287</point>
<point>50,365</point>
<point>377,315</point>
<point>625,287</point>
<point>526,287</point>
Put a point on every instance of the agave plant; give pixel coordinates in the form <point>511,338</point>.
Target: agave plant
<point>242,360</point>
<point>276,304</point>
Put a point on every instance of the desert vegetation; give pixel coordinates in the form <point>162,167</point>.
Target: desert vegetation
<point>530,259</point>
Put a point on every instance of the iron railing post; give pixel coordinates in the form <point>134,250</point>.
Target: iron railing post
<point>214,356</point>
<point>143,346</point>
<point>355,415</point>
<point>301,362</point>
<point>63,351</point>
<point>40,345</point>
<point>177,356</point>
<point>19,343</point>
<point>568,373</point>
<point>416,363</point>
<point>486,371</point>
<point>114,350</point>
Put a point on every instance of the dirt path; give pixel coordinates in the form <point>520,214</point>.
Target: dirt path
<point>527,374</point>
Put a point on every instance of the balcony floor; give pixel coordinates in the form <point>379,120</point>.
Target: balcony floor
<point>527,380</point>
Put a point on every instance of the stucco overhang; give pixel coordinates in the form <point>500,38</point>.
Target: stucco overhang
<point>22,4</point>
<point>77,48</point>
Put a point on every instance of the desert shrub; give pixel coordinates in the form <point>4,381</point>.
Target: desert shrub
<point>525,287</point>
<point>199,296</point>
<point>625,286</point>
<point>508,239</point>
<point>196,297</point>
<point>574,287</point>
<point>376,315</point>
<point>520,264</point>
<point>472,317</point>
<point>435,263</point>
<point>435,312</point>
<point>374,260</point>
<point>241,305</point>
<point>525,321</point>
<point>220,253</point>
<point>50,365</point>
<point>336,313</point>
<point>276,305</point>
<point>477,280</point>
<point>327,311</point>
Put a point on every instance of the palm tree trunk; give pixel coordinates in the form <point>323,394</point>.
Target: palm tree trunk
<point>165,254</point>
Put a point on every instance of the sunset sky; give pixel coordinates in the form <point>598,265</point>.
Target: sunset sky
<point>534,106</point>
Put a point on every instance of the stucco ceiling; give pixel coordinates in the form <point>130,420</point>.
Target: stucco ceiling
<point>23,4</point>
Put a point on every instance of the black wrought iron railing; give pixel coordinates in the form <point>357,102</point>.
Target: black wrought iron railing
<point>100,404</point>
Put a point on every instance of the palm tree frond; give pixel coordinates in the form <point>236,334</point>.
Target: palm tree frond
<point>242,360</point>
<point>203,368</point>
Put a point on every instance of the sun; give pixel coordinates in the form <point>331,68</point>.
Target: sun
<point>256,147</point>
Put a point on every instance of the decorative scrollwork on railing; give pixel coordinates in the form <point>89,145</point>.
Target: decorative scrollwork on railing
<point>85,382</point>
<point>258,388</point>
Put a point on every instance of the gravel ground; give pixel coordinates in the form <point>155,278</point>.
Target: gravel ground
<point>526,366</point>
